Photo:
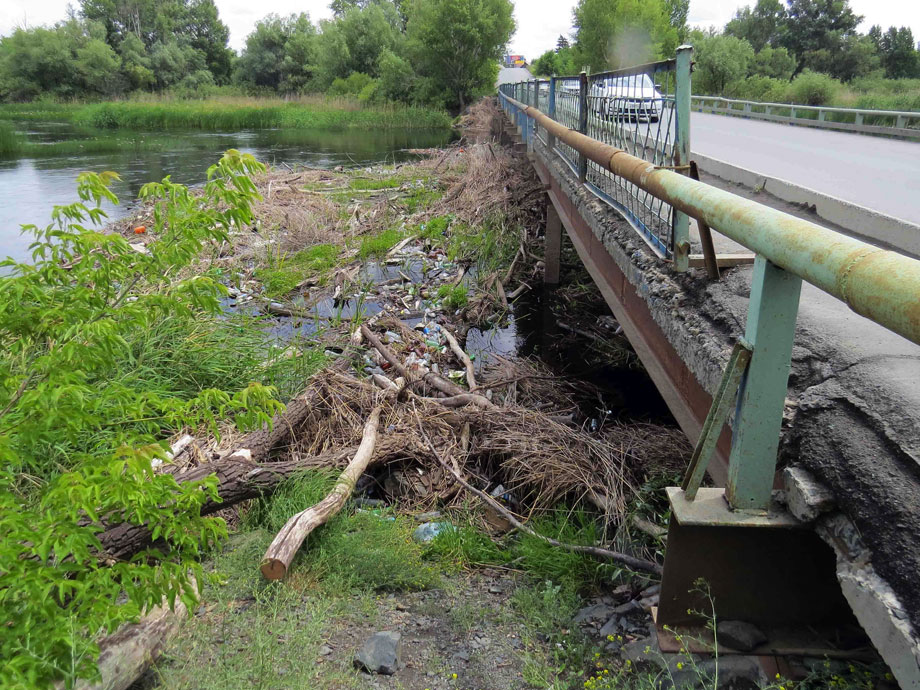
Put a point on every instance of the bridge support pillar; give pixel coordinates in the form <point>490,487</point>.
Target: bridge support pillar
<point>552,250</point>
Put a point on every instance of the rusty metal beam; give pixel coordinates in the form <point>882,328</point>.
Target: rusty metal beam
<point>876,283</point>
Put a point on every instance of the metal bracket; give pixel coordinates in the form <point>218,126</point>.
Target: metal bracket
<point>722,403</point>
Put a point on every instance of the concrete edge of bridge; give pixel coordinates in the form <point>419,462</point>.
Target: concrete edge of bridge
<point>861,222</point>
<point>641,280</point>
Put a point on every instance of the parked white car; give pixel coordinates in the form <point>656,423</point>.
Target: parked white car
<point>633,97</point>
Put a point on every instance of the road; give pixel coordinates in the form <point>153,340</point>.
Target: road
<point>512,75</point>
<point>881,174</point>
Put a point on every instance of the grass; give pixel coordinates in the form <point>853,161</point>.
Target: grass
<point>281,276</point>
<point>233,114</point>
<point>379,244</point>
<point>490,247</point>
<point>453,296</point>
<point>421,198</point>
<point>10,143</point>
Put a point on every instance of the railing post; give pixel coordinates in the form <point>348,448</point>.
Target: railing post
<point>582,123</point>
<point>770,331</point>
<point>550,139</point>
<point>680,228</point>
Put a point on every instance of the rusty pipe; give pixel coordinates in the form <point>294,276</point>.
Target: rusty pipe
<point>881,285</point>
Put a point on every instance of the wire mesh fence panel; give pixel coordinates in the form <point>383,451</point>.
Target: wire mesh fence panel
<point>543,106</point>
<point>634,110</point>
<point>567,114</point>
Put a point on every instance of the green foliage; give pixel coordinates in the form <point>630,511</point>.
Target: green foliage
<point>456,45</point>
<point>283,275</point>
<point>397,77</point>
<point>490,246</point>
<point>71,320</point>
<point>897,50</point>
<point>619,33</point>
<point>352,85</point>
<point>812,88</point>
<point>10,142</point>
<point>557,62</point>
<point>219,114</point>
<point>761,26</point>
<point>379,244</point>
<point>814,25</point>
<point>279,53</point>
<point>454,296</point>
<point>775,63</point>
<point>721,60</point>
<point>435,229</point>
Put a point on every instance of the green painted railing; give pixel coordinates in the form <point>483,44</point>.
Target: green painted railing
<point>881,285</point>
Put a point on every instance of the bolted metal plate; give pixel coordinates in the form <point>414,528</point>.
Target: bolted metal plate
<point>710,508</point>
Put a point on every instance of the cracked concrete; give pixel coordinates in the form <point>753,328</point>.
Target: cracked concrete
<point>853,408</point>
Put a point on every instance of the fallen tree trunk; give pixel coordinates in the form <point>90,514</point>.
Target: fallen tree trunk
<point>287,542</point>
<point>129,651</point>
<point>238,479</point>
<point>462,356</point>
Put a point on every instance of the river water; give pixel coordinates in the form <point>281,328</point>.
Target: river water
<point>31,187</point>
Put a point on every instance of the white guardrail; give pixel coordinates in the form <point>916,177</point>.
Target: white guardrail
<point>895,123</point>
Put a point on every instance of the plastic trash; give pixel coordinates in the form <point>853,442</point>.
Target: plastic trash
<point>426,532</point>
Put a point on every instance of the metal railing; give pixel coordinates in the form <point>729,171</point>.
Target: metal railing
<point>879,284</point>
<point>645,111</point>
<point>897,123</point>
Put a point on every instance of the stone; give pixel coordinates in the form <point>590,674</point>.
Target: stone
<point>325,650</point>
<point>624,616</point>
<point>590,614</point>
<point>380,653</point>
<point>739,635</point>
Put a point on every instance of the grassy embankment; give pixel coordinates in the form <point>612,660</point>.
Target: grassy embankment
<point>109,126</point>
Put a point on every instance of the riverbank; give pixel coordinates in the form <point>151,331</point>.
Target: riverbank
<point>230,114</point>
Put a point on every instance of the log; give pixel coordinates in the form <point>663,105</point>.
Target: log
<point>129,651</point>
<point>238,479</point>
<point>287,542</point>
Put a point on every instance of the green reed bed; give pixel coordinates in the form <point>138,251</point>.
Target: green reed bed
<point>231,115</point>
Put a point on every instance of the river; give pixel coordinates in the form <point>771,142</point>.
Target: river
<point>31,187</point>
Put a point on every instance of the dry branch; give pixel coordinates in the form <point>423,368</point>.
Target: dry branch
<point>639,564</point>
<point>287,542</point>
<point>462,356</point>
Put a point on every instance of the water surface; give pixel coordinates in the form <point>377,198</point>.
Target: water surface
<point>30,187</point>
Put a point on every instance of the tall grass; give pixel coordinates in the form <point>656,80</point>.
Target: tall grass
<point>231,114</point>
<point>10,142</point>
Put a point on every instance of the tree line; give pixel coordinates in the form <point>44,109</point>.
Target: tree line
<point>376,50</point>
<point>806,51</point>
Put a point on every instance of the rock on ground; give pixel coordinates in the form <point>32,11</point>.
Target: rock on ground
<point>380,654</point>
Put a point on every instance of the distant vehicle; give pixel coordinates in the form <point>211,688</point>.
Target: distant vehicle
<point>633,97</point>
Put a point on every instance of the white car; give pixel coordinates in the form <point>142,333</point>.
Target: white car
<point>634,97</point>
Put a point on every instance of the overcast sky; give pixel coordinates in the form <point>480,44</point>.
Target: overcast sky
<point>539,21</point>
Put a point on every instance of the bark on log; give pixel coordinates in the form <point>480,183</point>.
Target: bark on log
<point>238,479</point>
<point>129,651</point>
<point>287,542</point>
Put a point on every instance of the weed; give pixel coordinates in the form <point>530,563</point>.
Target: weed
<point>491,246</point>
<point>435,230</point>
<point>280,276</point>
<point>466,546</point>
<point>362,184</point>
<point>379,244</point>
<point>421,198</point>
<point>454,296</point>
<point>10,142</point>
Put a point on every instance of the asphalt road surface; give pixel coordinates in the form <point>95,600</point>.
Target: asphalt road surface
<point>881,174</point>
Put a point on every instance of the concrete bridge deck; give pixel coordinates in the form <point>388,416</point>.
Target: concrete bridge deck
<point>852,414</point>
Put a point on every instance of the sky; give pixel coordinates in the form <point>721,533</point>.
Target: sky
<point>539,22</point>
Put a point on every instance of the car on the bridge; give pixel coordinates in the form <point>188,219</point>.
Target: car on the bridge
<point>632,97</point>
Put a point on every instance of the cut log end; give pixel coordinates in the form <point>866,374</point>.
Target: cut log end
<point>273,569</point>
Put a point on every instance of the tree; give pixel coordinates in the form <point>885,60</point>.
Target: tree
<point>678,11</point>
<point>721,60</point>
<point>775,63</point>
<point>561,43</point>
<point>279,53</point>
<point>814,25</point>
<point>355,41</point>
<point>762,26</point>
<point>619,33</point>
<point>554,62</point>
<point>96,62</point>
<point>854,56</point>
<point>456,44</point>
<point>397,78</point>
<point>899,57</point>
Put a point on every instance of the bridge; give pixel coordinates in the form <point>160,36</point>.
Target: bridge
<point>786,350</point>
